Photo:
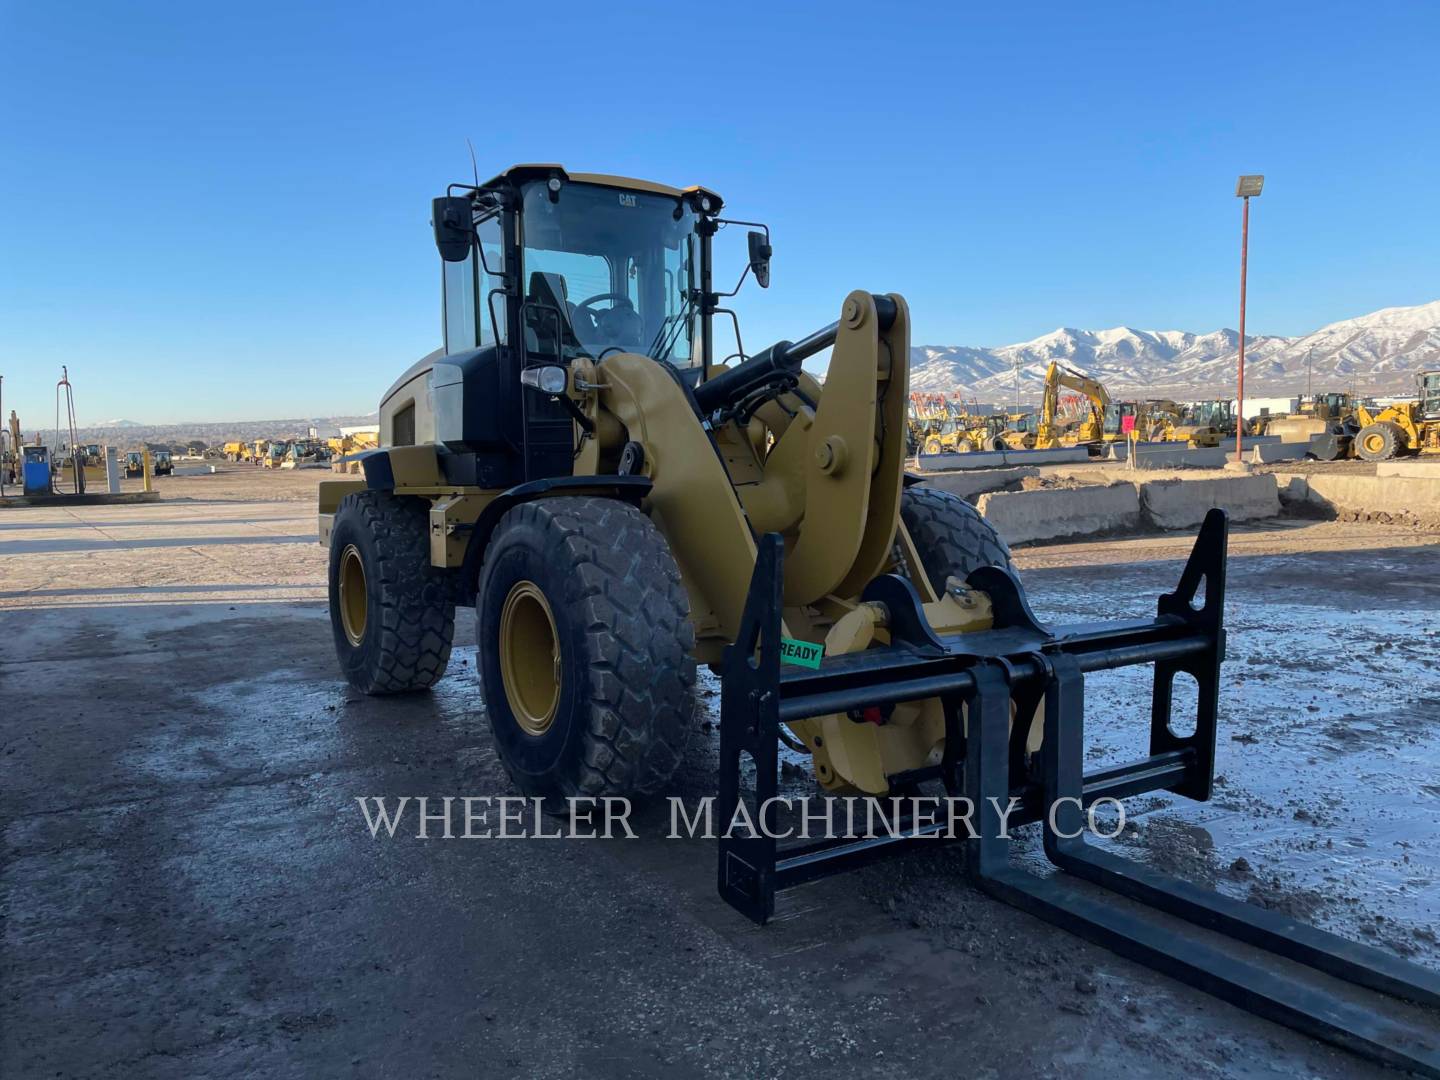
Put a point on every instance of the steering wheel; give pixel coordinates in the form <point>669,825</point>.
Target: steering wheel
<point>614,296</point>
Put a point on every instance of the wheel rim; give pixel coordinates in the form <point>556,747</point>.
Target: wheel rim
<point>530,658</point>
<point>354,603</point>
<point>1374,442</point>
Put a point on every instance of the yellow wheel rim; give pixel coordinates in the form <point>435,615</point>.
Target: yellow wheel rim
<point>530,658</point>
<point>354,604</point>
<point>1374,443</point>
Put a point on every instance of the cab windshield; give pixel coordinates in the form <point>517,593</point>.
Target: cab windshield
<point>608,270</point>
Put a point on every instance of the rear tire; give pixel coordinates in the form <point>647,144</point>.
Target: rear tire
<point>949,535</point>
<point>1381,441</point>
<point>933,446</point>
<point>392,613</point>
<point>585,649</point>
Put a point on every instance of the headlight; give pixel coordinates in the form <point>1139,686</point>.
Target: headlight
<point>550,379</point>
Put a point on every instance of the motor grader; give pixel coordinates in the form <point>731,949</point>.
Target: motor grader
<point>619,507</point>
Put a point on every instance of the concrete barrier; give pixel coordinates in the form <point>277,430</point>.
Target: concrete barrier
<point>990,459</point>
<point>1422,469</point>
<point>969,484</point>
<point>1050,513</point>
<point>1181,504</point>
<point>1392,498</point>
<point>1177,456</point>
<point>1277,451</point>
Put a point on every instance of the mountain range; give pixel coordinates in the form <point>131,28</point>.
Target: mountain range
<point>1376,354</point>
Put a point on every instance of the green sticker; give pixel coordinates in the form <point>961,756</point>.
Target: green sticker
<point>803,653</point>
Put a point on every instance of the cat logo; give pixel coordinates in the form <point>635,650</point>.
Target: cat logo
<point>626,199</point>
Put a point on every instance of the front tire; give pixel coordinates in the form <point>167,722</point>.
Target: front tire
<point>392,614</point>
<point>585,649</point>
<point>949,535</point>
<point>1381,441</point>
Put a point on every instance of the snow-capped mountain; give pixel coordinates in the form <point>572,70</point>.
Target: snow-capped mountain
<point>1377,353</point>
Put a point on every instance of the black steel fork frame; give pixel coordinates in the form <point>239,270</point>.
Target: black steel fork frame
<point>1020,660</point>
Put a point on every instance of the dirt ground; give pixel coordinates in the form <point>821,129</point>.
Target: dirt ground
<point>187,886</point>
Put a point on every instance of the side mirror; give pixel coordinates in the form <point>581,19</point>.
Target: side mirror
<point>760,251</point>
<point>454,227</point>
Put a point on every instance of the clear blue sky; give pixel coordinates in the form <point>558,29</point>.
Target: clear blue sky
<point>220,211</point>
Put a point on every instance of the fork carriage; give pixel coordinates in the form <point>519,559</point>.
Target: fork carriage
<point>991,762</point>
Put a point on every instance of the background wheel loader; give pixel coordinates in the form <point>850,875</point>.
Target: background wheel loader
<point>1407,428</point>
<point>619,507</point>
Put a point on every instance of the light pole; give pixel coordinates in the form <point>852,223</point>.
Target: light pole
<point>1245,187</point>
<point>1309,361</point>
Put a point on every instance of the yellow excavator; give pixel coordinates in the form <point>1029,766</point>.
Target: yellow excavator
<point>1052,432</point>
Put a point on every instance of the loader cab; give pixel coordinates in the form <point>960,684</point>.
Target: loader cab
<point>1429,394</point>
<point>540,268</point>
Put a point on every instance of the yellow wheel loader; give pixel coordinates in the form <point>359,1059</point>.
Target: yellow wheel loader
<point>1326,422</point>
<point>1412,427</point>
<point>619,508</point>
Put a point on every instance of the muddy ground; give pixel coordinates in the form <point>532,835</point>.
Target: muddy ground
<point>188,887</point>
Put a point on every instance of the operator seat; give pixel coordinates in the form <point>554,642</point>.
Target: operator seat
<point>545,332</point>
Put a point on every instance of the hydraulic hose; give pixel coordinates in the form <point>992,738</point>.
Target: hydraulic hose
<point>784,357</point>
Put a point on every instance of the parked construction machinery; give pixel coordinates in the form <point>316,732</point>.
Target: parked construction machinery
<point>134,464</point>
<point>239,451</point>
<point>1205,423</point>
<point>274,454</point>
<point>1089,430</point>
<point>929,424</point>
<point>164,464</point>
<point>619,507</point>
<point>1001,431</point>
<point>1327,423</point>
<point>1412,427</point>
<point>304,452</point>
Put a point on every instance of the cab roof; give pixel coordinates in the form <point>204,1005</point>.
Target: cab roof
<point>520,173</point>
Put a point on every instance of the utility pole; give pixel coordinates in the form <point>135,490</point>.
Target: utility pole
<point>1245,188</point>
<point>1309,360</point>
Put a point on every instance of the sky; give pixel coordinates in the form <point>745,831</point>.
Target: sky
<point>220,212</point>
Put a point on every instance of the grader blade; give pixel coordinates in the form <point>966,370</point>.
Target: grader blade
<point>978,677</point>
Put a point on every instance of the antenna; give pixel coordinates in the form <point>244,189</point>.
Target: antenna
<point>473,167</point>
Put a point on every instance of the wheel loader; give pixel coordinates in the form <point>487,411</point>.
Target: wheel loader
<point>1412,427</point>
<point>1326,423</point>
<point>619,507</point>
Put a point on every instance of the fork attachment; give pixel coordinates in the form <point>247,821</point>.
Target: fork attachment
<point>977,677</point>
